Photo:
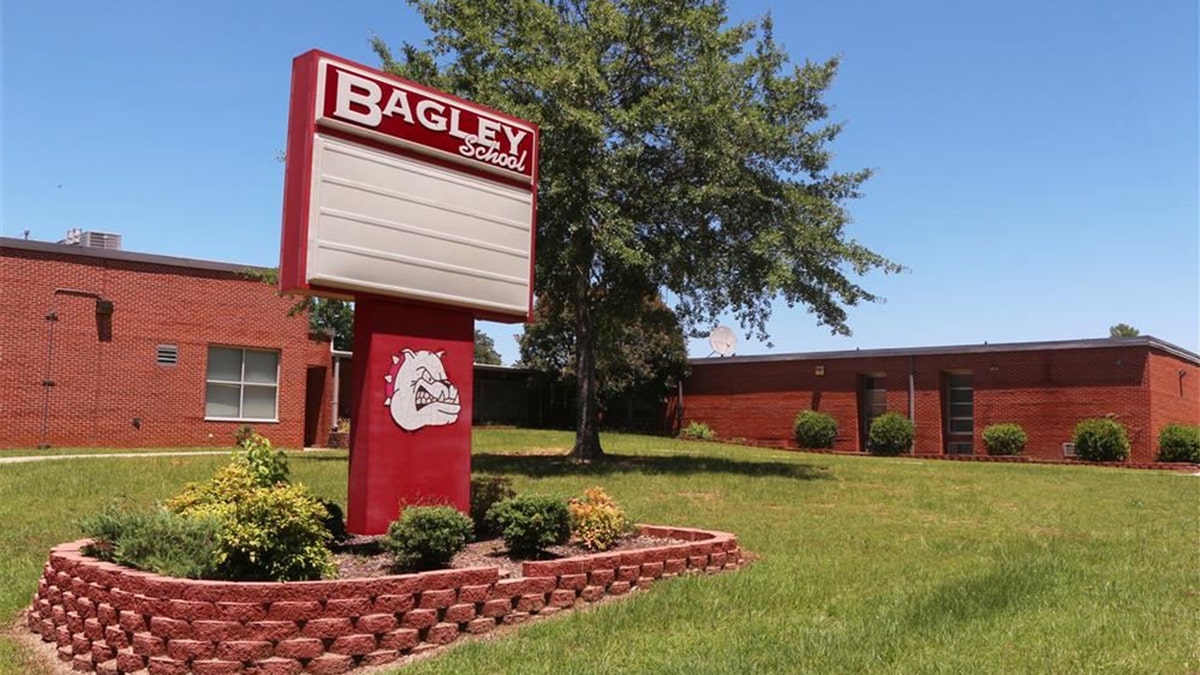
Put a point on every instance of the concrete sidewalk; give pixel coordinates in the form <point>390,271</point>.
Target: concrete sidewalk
<point>20,459</point>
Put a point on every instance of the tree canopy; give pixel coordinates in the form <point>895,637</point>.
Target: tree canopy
<point>485,349</point>
<point>679,153</point>
<point>1123,330</point>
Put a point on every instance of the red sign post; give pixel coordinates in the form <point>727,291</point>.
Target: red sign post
<point>422,206</point>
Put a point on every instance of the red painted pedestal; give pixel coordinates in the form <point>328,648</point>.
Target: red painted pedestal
<point>411,438</point>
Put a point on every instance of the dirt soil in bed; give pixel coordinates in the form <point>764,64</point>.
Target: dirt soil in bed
<point>361,557</point>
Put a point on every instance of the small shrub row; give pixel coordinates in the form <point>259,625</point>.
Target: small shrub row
<point>1006,438</point>
<point>428,537</point>
<point>247,522</point>
<point>890,434</point>
<point>1101,439</point>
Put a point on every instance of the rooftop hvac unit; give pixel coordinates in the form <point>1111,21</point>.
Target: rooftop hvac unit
<point>106,240</point>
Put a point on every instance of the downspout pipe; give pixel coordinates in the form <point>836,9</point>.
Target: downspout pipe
<point>47,380</point>
<point>912,391</point>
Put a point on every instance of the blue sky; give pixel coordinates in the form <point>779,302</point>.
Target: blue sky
<point>1036,161</point>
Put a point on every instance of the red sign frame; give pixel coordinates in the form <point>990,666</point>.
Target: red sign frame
<point>409,118</point>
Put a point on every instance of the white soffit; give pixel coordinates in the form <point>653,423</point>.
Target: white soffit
<point>383,223</point>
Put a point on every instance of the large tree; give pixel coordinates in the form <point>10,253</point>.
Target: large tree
<point>1123,330</point>
<point>639,345</point>
<point>678,153</point>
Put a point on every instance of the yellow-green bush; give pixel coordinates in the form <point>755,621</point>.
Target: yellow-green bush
<point>596,520</point>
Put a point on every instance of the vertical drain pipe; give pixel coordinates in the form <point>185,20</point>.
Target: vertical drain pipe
<point>47,383</point>
<point>912,395</point>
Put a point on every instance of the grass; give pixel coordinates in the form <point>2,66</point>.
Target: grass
<point>867,564</point>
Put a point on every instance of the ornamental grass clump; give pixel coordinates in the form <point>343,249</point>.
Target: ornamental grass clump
<point>156,541</point>
<point>815,430</point>
<point>531,523</point>
<point>427,537</point>
<point>1101,439</point>
<point>597,522</point>
<point>697,431</point>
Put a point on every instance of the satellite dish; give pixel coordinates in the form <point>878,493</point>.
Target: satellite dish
<point>723,340</point>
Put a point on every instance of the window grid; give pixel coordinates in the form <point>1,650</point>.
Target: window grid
<point>243,385</point>
<point>960,414</point>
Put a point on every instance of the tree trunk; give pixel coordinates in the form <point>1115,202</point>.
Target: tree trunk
<point>587,405</point>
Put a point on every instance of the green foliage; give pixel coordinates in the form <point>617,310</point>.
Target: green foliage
<point>1007,438</point>
<point>640,345</point>
<point>697,431</point>
<point>890,434</point>
<point>530,523</point>
<point>485,349</point>
<point>325,315</point>
<point>486,492</point>
<point>1123,330</point>
<point>596,520</point>
<point>427,537</point>
<point>267,532</point>
<point>815,430</point>
<point>157,541</point>
<point>680,156</point>
<point>268,466</point>
<point>1179,443</point>
<point>1101,439</point>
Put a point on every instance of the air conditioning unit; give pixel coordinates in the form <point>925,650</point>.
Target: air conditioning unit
<point>1069,450</point>
<point>105,240</point>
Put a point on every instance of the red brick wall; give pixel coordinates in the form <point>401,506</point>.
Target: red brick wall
<point>1047,391</point>
<point>1173,397</point>
<point>102,385</point>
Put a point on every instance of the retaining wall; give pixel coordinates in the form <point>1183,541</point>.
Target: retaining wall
<point>110,619</point>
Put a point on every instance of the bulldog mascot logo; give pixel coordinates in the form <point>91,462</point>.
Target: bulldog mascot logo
<point>418,392</point>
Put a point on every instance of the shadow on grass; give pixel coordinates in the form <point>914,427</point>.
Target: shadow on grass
<point>538,466</point>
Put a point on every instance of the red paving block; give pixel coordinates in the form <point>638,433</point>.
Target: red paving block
<point>330,664</point>
<point>165,665</point>
<point>376,623</point>
<point>218,631</point>
<point>461,613</point>
<point>481,625</point>
<point>393,604</point>
<point>190,650</point>
<point>129,662</point>
<point>278,666</point>
<point>400,639</point>
<point>419,618</point>
<point>300,648</point>
<point>496,607</point>
<point>573,581</point>
<point>328,628</point>
<point>243,650</point>
<point>618,588</point>
<point>442,633</point>
<point>216,667</point>
<point>347,607</point>
<point>168,628</point>
<point>477,593</point>
<point>294,610</point>
<point>531,603</point>
<point>353,645</point>
<point>379,657</point>
<point>562,598</point>
<point>438,599</point>
<point>272,631</point>
<point>240,611</point>
<point>592,593</point>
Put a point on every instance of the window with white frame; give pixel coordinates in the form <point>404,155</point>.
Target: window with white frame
<point>242,384</point>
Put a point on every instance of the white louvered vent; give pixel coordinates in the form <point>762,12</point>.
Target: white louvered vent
<point>105,240</point>
<point>168,355</point>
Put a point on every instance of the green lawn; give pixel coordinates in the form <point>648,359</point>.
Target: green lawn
<point>867,564</point>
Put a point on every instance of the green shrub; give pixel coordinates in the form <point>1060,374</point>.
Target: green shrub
<point>815,430</point>
<point>1101,439</point>
<point>157,541</point>
<point>427,537</point>
<point>267,465</point>
<point>1179,443</point>
<point>530,523</point>
<point>890,434</point>
<point>596,520</point>
<point>1005,439</point>
<point>486,492</point>
<point>697,431</point>
<point>267,533</point>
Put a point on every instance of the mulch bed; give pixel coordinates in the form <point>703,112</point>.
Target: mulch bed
<point>361,557</point>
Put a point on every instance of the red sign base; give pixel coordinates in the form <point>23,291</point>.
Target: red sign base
<point>410,443</point>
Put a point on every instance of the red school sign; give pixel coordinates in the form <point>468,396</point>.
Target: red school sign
<point>422,207</point>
